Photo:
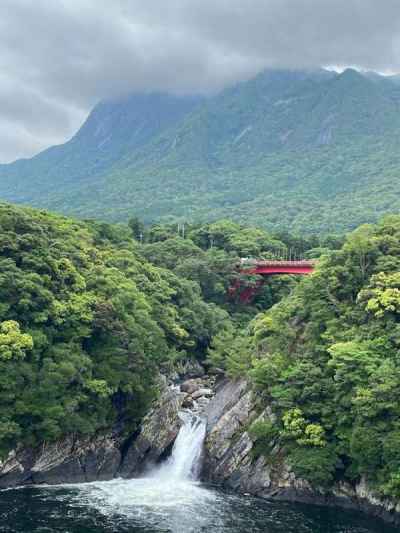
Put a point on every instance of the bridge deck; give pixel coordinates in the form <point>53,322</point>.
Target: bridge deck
<point>265,268</point>
<point>266,262</point>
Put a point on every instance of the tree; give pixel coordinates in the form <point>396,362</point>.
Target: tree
<point>13,343</point>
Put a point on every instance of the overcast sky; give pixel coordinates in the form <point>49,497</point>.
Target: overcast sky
<point>59,57</point>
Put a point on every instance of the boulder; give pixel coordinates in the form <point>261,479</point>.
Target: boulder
<point>202,392</point>
<point>191,369</point>
<point>190,385</point>
<point>187,402</point>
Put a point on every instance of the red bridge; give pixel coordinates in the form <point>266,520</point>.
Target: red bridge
<point>266,268</point>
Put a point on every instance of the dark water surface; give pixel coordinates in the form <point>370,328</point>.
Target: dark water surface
<point>151,506</point>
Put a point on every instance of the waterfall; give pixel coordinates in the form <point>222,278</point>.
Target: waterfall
<point>185,460</point>
<point>169,495</point>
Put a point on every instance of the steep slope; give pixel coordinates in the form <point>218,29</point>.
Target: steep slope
<point>112,129</point>
<point>312,150</point>
<point>85,325</point>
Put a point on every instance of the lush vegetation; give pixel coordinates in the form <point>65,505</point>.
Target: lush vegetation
<point>310,151</point>
<point>90,313</point>
<point>326,359</point>
<point>85,325</point>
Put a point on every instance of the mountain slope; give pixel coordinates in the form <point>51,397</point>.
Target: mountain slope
<point>112,129</point>
<point>314,151</point>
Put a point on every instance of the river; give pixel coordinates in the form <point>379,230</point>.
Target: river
<point>168,500</point>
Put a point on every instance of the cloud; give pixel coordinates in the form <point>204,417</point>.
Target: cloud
<point>59,57</point>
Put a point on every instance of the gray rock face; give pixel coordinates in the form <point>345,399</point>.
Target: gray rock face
<point>229,460</point>
<point>192,369</point>
<point>191,385</point>
<point>158,432</point>
<point>14,469</point>
<point>68,460</point>
<point>227,444</point>
<point>202,392</point>
<point>227,393</point>
<point>101,458</point>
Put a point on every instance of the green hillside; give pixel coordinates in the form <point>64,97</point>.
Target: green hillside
<point>85,325</point>
<point>309,151</point>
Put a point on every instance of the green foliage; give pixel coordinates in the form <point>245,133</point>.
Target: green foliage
<point>264,433</point>
<point>383,294</point>
<point>13,343</point>
<point>296,427</point>
<point>294,423</point>
<point>210,254</point>
<point>315,152</point>
<point>85,325</point>
<point>231,351</point>
<point>327,361</point>
<point>315,464</point>
<point>137,228</point>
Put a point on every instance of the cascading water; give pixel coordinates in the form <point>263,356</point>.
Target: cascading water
<point>169,494</point>
<point>185,461</point>
<point>168,500</point>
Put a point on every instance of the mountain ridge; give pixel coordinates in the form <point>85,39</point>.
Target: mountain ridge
<point>302,141</point>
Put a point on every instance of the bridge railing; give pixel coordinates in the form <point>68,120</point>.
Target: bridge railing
<point>244,262</point>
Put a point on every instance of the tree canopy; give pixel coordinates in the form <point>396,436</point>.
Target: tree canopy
<point>326,358</point>
<point>85,325</point>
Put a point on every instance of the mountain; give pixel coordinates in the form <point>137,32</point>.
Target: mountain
<point>313,151</point>
<point>112,130</point>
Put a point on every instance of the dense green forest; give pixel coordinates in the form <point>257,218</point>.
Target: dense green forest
<point>90,313</point>
<point>309,151</point>
<point>326,358</point>
<point>86,323</point>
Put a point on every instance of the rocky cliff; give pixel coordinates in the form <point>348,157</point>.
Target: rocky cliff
<point>104,457</point>
<point>230,460</point>
<point>229,457</point>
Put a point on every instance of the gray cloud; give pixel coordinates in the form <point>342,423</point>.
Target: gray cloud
<point>59,57</point>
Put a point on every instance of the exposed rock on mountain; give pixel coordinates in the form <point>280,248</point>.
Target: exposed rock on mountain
<point>313,150</point>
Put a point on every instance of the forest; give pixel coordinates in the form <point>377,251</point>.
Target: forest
<point>310,151</point>
<point>325,358</point>
<point>91,313</point>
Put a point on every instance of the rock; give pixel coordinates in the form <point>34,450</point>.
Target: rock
<point>201,392</point>
<point>157,434</point>
<point>229,460</point>
<point>226,395</point>
<point>232,415</point>
<point>217,371</point>
<point>74,461</point>
<point>187,402</point>
<point>190,385</point>
<point>14,470</point>
<point>66,461</point>
<point>101,463</point>
<point>203,402</point>
<point>191,369</point>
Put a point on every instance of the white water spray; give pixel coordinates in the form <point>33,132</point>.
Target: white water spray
<point>185,461</point>
<point>170,494</point>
